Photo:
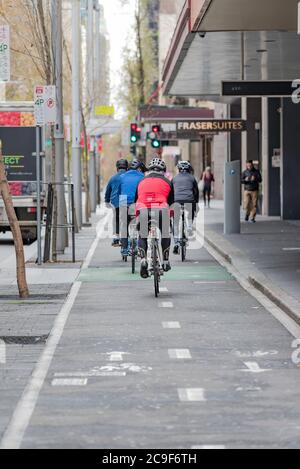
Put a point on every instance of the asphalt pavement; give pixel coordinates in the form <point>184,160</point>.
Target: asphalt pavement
<point>205,365</point>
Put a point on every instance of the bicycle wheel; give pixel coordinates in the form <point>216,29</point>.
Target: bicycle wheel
<point>133,255</point>
<point>183,240</point>
<point>156,272</point>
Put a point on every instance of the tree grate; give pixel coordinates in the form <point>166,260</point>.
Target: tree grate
<point>24,340</point>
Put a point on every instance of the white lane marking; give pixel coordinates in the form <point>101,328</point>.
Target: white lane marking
<point>100,228</point>
<point>2,352</point>
<point>258,354</point>
<point>254,367</point>
<point>171,325</point>
<point>291,249</point>
<point>287,322</point>
<point>116,356</point>
<point>164,290</point>
<point>91,374</point>
<point>210,447</point>
<point>166,304</point>
<point>253,389</point>
<point>16,429</point>
<point>192,395</point>
<point>221,282</point>
<point>69,382</point>
<point>180,354</point>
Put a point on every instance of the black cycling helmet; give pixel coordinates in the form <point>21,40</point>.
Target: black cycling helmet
<point>185,167</point>
<point>157,164</point>
<point>135,165</point>
<point>122,164</point>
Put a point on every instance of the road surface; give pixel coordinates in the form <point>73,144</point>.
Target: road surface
<point>205,365</point>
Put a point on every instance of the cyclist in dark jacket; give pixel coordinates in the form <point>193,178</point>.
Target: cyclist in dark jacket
<point>155,196</point>
<point>186,194</point>
<point>112,198</point>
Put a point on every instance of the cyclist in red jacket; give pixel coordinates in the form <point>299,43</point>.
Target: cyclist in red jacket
<point>155,196</point>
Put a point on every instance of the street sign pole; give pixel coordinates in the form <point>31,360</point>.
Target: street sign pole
<point>76,113</point>
<point>38,182</point>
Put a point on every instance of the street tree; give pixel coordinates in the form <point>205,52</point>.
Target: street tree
<point>15,228</point>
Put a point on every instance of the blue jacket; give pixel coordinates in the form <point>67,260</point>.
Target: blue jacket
<point>112,191</point>
<point>128,186</point>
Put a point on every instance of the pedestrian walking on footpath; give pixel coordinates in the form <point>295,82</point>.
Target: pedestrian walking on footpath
<point>207,182</point>
<point>251,179</point>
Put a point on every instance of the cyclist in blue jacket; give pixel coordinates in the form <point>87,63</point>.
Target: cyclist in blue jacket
<point>128,184</point>
<point>112,198</point>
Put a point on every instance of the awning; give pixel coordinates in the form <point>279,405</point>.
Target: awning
<point>207,45</point>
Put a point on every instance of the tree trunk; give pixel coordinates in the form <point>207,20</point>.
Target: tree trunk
<point>15,228</point>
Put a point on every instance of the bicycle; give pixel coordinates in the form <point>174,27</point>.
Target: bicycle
<point>183,240</point>
<point>133,244</point>
<point>155,258</point>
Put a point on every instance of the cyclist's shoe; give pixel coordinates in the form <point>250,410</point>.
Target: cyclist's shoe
<point>144,269</point>
<point>125,252</point>
<point>167,266</point>
<point>176,250</point>
<point>115,243</point>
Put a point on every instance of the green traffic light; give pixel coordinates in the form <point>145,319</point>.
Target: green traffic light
<point>156,144</point>
<point>134,139</point>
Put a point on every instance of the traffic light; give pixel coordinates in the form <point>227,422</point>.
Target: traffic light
<point>155,141</point>
<point>135,134</point>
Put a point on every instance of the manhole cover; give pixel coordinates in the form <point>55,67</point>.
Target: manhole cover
<point>25,340</point>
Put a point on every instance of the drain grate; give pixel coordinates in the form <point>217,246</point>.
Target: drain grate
<point>40,297</point>
<point>25,340</point>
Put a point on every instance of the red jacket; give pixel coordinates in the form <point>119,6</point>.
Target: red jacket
<point>155,191</point>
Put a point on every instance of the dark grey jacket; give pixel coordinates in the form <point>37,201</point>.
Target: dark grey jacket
<point>251,186</point>
<point>186,188</point>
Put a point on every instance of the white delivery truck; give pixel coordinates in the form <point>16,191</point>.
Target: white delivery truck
<point>17,132</point>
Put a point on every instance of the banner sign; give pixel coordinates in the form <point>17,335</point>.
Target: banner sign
<point>258,89</point>
<point>189,129</point>
<point>18,147</point>
<point>104,110</point>
<point>4,54</point>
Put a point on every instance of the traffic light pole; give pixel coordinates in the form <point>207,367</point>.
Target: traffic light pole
<point>76,111</point>
<point>91,98</point>
<point>57,42</point>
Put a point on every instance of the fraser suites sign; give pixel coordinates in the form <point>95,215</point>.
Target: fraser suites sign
<point>210,125</point>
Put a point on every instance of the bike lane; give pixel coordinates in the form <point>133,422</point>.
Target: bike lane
<point>204,365</point>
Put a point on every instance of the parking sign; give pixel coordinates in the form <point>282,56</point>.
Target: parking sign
<point>45,105</point>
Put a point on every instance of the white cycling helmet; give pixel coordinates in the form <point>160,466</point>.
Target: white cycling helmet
<point>157,164</point>
<point>185,167</point>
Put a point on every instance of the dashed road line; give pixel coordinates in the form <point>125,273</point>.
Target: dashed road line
<point>192,395</point>
<point>69,382</point>
<point>180,354</point>
<point>166,304</point>
<point>171,325</point>
<point>164,290</point>
<point>254,367</point>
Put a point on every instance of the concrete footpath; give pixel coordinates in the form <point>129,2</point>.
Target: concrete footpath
<point>266,253</point>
